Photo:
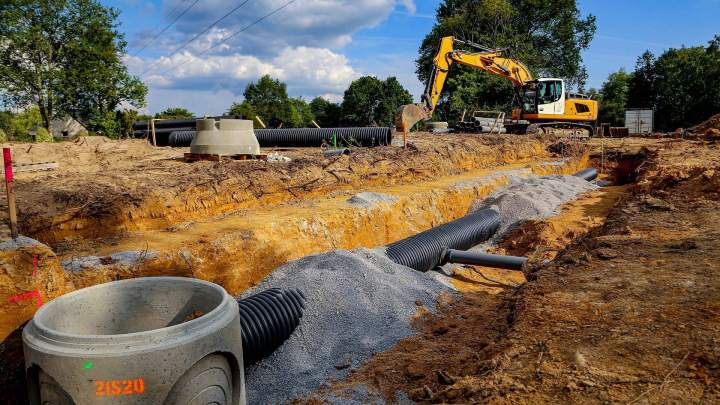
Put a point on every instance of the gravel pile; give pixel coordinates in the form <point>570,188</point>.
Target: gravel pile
<point>532,198</point>
<point>358,303</point>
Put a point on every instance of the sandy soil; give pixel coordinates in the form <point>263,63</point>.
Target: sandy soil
<point>627,313</point>
<point>105,187</point>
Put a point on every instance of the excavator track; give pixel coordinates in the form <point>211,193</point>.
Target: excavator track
<point>571,130</point>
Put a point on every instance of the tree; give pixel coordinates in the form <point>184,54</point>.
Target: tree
<point>269,99</point>
<point>243,109</point>
<point>370,101</point>
<point>546,35</point>
<point>175,113</point>
<point>641,90</point>
<point>613,98</point>
<point>303,116</point>
<point>681,85</point>
<point>326,113</point>
<point>64,56</point>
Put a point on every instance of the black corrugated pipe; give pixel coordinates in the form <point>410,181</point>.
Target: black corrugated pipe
<point>424,251</point>
<point>588,174</point>
<point>312,137</point>
<point>181,138</point>
<point>483,259</point>
<point>267,319</point>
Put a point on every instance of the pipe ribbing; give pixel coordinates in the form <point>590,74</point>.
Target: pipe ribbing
<point>588,174</point>
<point>424,251</point>
<point>483,259</point>
<point>312,137</point>
<point>267,319</point>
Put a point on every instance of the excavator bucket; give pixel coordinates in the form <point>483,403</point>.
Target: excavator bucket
<point>407,115</point>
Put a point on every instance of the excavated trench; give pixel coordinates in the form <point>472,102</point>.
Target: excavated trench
<point>239,248</point>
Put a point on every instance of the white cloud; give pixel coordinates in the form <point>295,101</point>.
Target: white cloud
<point>301,45</point>
<point>409,6</point>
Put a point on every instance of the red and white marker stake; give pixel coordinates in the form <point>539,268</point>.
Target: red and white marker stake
<point>12,211</point>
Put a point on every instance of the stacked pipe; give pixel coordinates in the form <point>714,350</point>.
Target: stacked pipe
<point>308,137</point>
<point>425,250</point>
<point>267,319</point>
<point>482,125</point>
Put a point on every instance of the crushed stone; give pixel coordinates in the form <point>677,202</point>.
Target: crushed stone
<point>531,198</point>
<point>358,303</point>
<point>369,199</point>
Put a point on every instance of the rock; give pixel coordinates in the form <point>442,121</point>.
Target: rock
<point>445,378</point>
<point>418,303</point>
<point>580,360</point>
<point>441,330</point>
<point>344,363</point>
<point>414,372</point>
<point>606,253</point>
<point>657,204</point>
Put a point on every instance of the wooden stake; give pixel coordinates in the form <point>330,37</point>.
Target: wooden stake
<point>152,130</point>
<point>12,209</point>
<point>315,123</point>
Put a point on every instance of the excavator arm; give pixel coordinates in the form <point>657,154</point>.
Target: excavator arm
<point>493,61</point>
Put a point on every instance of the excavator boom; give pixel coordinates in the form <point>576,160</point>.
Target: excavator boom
<point>490,60</point>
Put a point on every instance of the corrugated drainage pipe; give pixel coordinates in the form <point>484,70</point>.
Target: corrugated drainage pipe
<point>311,137</point>
<point>483,259</point>
<point>588,174</point>
<point>181,138</point>
<point>267,319</point>
<point>424,251</point>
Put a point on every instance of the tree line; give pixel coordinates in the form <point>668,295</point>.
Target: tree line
<point>368,101</point>
<point>681,85</point>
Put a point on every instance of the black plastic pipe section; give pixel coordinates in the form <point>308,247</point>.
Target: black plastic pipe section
<point>311,137</point>
<point>424,251</point>
<point>484,259</point>
<point>267,319</point>
<point>181,138</point>
<point>588,174</point>
<point>336,152</point>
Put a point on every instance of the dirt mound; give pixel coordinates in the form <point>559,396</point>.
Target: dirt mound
<point>629,314</point>
<point>711,126</point>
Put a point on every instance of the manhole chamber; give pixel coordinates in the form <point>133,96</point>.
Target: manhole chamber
<point>154,340</point>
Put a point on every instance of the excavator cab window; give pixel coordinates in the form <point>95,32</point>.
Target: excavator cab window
<point>528,102</point>
<point>549,91</point>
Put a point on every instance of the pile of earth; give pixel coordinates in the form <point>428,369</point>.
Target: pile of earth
<point>711,126</point>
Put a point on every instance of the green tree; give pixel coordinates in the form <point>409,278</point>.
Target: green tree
<point>613,98</point>
<point>64,56</point>
<point>269,99</point>
<point>641,90</point>
<point>244,110</point>
<point>175,113</point>
<point>546,35</point>
<point>370,101</point>
<point>21,123</point>
<point>681,85</point>
<point>303,113</point>
<point>327,114</point>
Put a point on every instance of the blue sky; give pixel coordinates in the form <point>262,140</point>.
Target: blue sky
<point>319,46</point>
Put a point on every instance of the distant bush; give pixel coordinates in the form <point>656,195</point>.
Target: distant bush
<point>42,135</point>
<point>3,136</point>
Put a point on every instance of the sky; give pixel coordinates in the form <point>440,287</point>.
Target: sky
<point>318,47</point>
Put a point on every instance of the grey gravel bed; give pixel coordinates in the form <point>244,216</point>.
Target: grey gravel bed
<point>360,303</point>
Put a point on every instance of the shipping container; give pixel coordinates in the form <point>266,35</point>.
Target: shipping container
<point>639,121</point>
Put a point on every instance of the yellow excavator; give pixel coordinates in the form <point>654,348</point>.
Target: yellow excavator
<point>545,104</point>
